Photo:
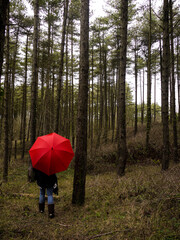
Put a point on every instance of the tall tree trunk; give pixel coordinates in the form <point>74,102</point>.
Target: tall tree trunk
<point>149,83</point>
<point>59,84</point>
<point>155,97</point>
<point>113,104</point>
<point>105,92</point>
<point>142,96</point>
<point>92,98</point>
<point>24,101</point>
<point>171,100</point>
<point>100,122</point>
<point>42,102</point>
<point>136,76</point>
<point>72,85</point>
<point>6,107</point>
<point>81,138</point>
<point>161,73</point>
<point>66,110</point>
<point>4,4</point>
<point>52,84</point>
<point>175,138</point>
<point>47,93</point>
<point>3,16</point>
<point>178,78</point>
<point>11,115</point>
<point>122,148</point>
<point>165,80</point>
<point>34,85</point>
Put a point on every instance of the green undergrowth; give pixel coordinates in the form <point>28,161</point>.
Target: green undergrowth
<point>144,204</point>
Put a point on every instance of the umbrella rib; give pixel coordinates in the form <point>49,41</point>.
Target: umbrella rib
<point>45,141</point>
<point>58,144</point>
<point>38,149</point>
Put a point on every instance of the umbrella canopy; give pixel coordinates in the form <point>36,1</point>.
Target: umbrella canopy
<point>51,153</point>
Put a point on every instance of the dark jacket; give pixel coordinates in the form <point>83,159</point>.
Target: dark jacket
<point>43,180</point>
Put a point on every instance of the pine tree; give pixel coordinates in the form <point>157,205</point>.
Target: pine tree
<point>122,148</point>
<point>81,137</point>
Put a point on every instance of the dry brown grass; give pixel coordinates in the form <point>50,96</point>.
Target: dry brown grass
<point>144,204</point>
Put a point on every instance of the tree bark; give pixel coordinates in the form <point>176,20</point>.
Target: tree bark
<point>34,85</point>
<point>72,86</point>
<point>155,97</point>
<point>165,80</point>
<point>3,17</point>
<point>105,91</point>
<point>178,78</point>
<point>92,97</point>
<point>149,83</point>
<point>11,115</point>
<point>59,84</point>
<point>24,101</point>
<point>174,120</point>
<point>136,77</point>
<point>66,105</point>
<point>100,122</point>
<point>122,148</point>
<point>48,90</point>
<point>6,105</point>
<point>81,138</point>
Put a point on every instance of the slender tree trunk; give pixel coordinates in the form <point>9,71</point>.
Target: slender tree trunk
<point>11,115</point>
<point>34,85</point>
<point>24,102</point>
<point>97,109</point>
<point>100,122</point>
<point>66,110</point>
<point>52,85</point>
<point>165,80</point>
<point>72,84</point>
<point>175,138</point>
<point>105,94</point>
<point>92,97</point>
<point>161,74</point>
<point>89,110</point>
<point>136,76</point>
<point>178,78</point>
<point>6,106</point>
<point>81,138</point>
<point>113,104</point>
<point>48,90</point>
<point>42,102</point>
<point>155,97</point>
<point>149,83</point>
<point>59,84</point>
<point>142,96</point>
<point>171,96</point>
<point>122,148</point>
<point>3,16</point>
<point>4,4</point>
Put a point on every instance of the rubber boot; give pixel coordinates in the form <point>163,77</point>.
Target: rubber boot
<point>51,210</point>
<point>41,207</point>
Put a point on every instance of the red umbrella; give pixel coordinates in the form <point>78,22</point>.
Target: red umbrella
<point>51,153</point>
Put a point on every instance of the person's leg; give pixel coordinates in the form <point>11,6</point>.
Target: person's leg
<point>42,200</point>
<point>50,202</point>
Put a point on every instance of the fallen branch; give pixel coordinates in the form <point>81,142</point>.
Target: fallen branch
<point>63,225</point>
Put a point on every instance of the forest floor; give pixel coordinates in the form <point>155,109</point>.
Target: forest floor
<point>143,204</point>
